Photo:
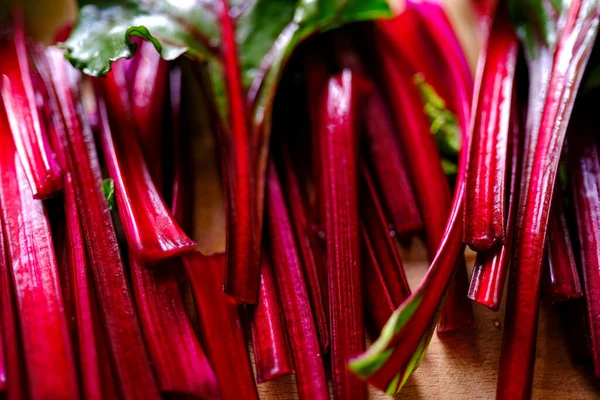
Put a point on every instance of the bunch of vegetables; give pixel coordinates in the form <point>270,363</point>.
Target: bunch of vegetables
<point>157,214</point>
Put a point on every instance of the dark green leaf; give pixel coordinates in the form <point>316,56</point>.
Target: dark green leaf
<point>108,189</point>
<point>266,33</point>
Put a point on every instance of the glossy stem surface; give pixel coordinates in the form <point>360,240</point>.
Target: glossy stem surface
<point>490,269</point>
<point>389,167</point>
<point>302,331</point>
<point>243,271</point>
<point>28,131</point>
<point>299,214</point>
<point>485,208</point>
<point>34,271</point>
<point>152,232</point>
<point>272,356</point>
<point>574,46</point>
<point>131,366</point>
<point>339,130</point>
<point>562,273</point>
<point>221,327</point>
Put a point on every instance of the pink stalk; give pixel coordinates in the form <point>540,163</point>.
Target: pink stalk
<point>402,345</point>
<point>585,167</point>
<point>13,377</point>
<point>220,327</point>
<point>562,271</point>
<point>92,351</point>
<point>180,363</point>
<point>297,201</point>
<point>384,151</point>
<point>152,232</point>
<point>431,186</point>
<point>439,26</point>
<point>339,166</point>
<point>380,238</point>
<point>489,272</point>
<point>179,360</point>
<point>485,209</point>
<point>379,305</point>
<point>272,356</point>
<point>389,167</point>
<point>148,104</point>
<point>573,48</point>
<point>28,131</point>
<point>243,240</point>
<point>130,362</point>
<point>424,25</point>
<point>44,330</point>
<point>308,364</point>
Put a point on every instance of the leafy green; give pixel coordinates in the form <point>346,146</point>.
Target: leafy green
<point>108,189</point>
<point>379,352</point>
<point>443,125</point>
<point>267,31</point>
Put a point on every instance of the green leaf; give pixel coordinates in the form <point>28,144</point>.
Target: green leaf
<point>108,189</point>
<point>443,125</point>
<point>267,31</point>
<point>379,352</point>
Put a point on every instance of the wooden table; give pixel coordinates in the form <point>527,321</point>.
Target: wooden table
<point>464,365</point>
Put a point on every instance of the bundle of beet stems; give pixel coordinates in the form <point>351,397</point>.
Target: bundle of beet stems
<point>161,215</point>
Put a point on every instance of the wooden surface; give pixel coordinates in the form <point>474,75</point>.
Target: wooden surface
<point>464,364</point>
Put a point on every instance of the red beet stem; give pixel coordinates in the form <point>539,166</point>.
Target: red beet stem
<point>424,26</point>
<point>13,377</point>
<point>152,232</point>
<point>403,342</point>
<point>518,346</point>
<point>130,362</point>
<point>439,26</point>
<point>383,149</point>
<point>179,361</point>
<point>43,325</point>
<point>148,103</point>
<point>308,363</point>
<point>379,305</point>
<point>298,205</point>
<point>562,274</point>
<point>91,348</point>
<point>339,166</point>
<point>272,356</point>
<point>485,207</point>
<point>585,167</point>
<point>243,272</point>
<point>380,238</point>
<point>317,76</point>
<point>28,131</point>
<point>220,327</point>
<point>389,167</point>
<point>489,272</point>
<point>431,185</point>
